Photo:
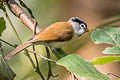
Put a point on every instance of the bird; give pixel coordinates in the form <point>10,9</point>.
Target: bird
<point>55,36</point>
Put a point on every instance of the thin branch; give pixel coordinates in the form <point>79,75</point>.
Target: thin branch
<point>14,46</point>
<point>35,56</point>
<point>2,54</point>
<point>18,37</point>
<point>113,75</point>
<point>37,69</point>
<point>28,21</point>
<point>73,76</point>
<point>29,10</point>
<point>19,12</point>
<point>42,56</point>
<point>8,18</point>
<point>29,57</point>
<point>50,74</point>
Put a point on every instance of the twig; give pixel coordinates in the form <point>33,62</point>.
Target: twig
<point>14,46</point>
<point>18,36</point>
<point>113,75</point>
<point>29,22</point>
<point>29,57</point>
<point>8,18</point>
<point>73,76</point>
<point>29,10</point>
<point>42,56</point>
<point>2,54</point>
<point>50,74</point>
<point>37,69</point>
<point>19,12</point>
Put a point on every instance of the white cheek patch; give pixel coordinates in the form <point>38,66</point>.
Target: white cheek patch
<point>77,29</point>
<point>81,31</point>
<point>76,26</point>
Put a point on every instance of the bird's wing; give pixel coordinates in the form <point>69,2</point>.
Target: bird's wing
<point>18,49</point>
<point>55,32</point>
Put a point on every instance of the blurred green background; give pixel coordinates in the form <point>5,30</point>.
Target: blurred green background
<point>47,12</point>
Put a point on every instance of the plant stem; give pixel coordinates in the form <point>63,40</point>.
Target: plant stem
<point>45,58</point>
<point>5,13</point>
<point>7,43</point>
<point>29,57</point>
<point>13,27</point>
<point>50,74</point>
<point>37,69</point>
<point>113,75</point>
<point>2,54</point>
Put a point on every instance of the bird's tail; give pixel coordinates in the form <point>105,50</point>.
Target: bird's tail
<point>18,49</point>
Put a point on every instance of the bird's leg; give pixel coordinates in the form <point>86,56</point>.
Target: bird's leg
<point>58,52</point>
<point>50,74</point>
<point>55,52</point>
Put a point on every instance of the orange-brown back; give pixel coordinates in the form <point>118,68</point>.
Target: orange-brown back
<point>60,31</point>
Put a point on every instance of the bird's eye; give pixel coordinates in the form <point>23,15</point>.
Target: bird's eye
<point>82,25</point>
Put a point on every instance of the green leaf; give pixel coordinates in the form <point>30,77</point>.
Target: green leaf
<point>109,35</point>
<point>6,72</point>
<point>113,50</point>
<point>81,67</point>
<point>107,59</point>
<point>2,25</point>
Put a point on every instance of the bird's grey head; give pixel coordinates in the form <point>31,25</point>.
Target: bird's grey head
<point>79,26</point>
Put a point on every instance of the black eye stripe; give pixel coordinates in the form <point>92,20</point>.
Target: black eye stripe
<point>79,21</point>
<point>76,20</point>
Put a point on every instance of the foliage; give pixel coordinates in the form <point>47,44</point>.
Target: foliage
<point>6,72</point>
<point>106,59</point>
<point>109,35</point>
<point>81,67</point>
<point>2,25</point>
<point>75,63</point>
